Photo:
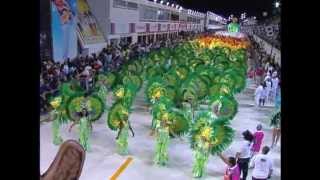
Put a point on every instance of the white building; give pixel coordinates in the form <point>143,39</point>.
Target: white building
<point>143,20</point>
<point>214,21</point>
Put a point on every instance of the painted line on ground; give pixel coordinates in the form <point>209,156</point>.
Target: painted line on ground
<point>121,169</point>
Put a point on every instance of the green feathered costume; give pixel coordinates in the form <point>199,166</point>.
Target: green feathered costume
<point>59,117</point>
<point>163,140</point>
<point>85,131</point>
<point>122,141</point>
<point>209,135</point>
<point>118,120</point>
<point>57,139</point>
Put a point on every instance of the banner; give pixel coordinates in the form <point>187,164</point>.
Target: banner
<point>87,26</point>
<point>64,36</point>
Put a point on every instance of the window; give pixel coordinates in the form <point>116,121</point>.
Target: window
<point>148,13</point>
<point>119,3</point>
<point>125,4</point>
<point>163,15</point>
<point>211,22</point>
<point>174,17</point>
<point>183,18</point>
<point>132,5</point>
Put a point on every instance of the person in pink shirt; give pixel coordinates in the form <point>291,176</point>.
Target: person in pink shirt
<point>257,141</point>
<point>233,170</point>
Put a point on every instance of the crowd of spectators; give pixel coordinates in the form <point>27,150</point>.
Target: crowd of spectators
<point>84,68</point>
<point>275,38</point>
<point>263,62</point>
<point>269,30</point>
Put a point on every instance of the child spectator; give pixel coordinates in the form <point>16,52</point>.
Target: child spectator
<point>232,171</point>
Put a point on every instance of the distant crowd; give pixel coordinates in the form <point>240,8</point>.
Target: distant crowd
<point>85,68</point>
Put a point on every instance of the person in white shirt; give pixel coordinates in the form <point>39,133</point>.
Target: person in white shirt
<point>266,67</point>
<point>268,76</point>
<point>270,68</point>
<point>275,73</point>
<point>258,94</point>
<point>244,154</point>
<point>275,83</point>
<point>268,88</point>
<point>263,96</point>
<point>85,74</point>
<point>262,165</point>
<point>66,69</point>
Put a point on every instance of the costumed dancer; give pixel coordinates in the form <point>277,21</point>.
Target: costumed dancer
<point>276,129</point>
<point>163,139</point>
<point>123,134</point>
<point>234,26</point>
<point>103,91</point>
<point>58,119</point>
<point>278,98</point>
<point>202,152</point>
<point>209,135</point>
<point>85,129</point>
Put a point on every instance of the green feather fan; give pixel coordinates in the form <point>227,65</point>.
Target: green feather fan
<point>117,113</point>
<point>215,131</point>
<point>133,79</point>
<point>94,105</point>
<point>223,135</point>
<point>110,80</point>
<point>226,106</point>
<point>180,123</point>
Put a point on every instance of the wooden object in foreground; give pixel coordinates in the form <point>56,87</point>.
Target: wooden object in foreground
<point>67,164</point>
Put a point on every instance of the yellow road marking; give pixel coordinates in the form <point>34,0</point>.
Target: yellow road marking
<point>121,169</point>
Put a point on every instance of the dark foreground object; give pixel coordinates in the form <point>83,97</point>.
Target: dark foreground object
<point>67,164</point>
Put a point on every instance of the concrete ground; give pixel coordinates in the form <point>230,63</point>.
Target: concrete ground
<point>103,160</point>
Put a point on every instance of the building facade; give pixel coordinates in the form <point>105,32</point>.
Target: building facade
<point>214,21</point>
<point>143,20</point>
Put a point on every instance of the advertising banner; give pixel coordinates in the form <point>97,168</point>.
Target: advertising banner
<point>64,35</point>
<point>87,26</point>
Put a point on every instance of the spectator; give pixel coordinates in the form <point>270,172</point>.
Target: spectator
<point>85,77</point>
<point>84,68</point>
<point>262,165</point>
<point>97,65</point>
<point>233,170</point>
<point>244,154</point>
<point>257,140</point>
<point>259,74</point>
<point>268,84</point>
<point>275,82</point>
<point>259,93</point>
